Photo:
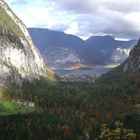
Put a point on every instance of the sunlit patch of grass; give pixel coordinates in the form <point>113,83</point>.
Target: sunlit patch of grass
<point>8,108</point>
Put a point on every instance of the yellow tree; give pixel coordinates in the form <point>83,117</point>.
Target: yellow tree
<point>118,133</point>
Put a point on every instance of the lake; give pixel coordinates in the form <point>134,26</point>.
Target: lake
<point>97,70</point>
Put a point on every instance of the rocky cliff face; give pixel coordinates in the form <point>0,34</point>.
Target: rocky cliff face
<point>19,59</point>
<point>132,64</point>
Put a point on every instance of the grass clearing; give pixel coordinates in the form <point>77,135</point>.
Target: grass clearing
<point>9,108</point>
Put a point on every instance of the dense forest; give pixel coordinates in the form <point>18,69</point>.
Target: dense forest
<point>108,109</point>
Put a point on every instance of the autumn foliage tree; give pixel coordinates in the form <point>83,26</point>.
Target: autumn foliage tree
<point>117,133</point>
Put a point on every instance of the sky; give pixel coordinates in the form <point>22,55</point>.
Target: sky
<point>84,18</point>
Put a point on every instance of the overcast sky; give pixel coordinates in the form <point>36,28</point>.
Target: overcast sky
<point>120,18</point>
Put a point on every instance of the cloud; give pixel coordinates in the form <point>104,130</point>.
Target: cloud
<point>89,6</point>
<point>73,28</point>
<point>117,18</point>
<point>82,17</point>
<point>113,23</point>
<point>13,2</point>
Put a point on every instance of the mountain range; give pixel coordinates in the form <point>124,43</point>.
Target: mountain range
<point>20,60</point>
<point>62,50</point>
<point>101,108</point>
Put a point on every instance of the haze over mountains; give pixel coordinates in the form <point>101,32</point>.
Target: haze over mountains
<point>64,50</point>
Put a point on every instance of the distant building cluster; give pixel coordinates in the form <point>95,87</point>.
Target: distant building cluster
<point>78,78</point>
<point>24,103</point>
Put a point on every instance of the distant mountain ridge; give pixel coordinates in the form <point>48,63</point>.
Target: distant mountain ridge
<point>113,51</point>
<point>59,49</point>
<point>62,50</point>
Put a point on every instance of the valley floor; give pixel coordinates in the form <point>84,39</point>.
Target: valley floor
<point>72,110</point>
